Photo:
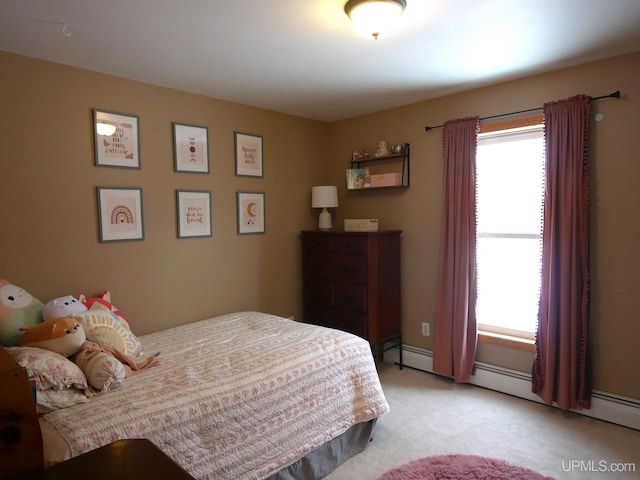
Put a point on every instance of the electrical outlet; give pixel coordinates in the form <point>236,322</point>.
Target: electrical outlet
<point>426,329</point>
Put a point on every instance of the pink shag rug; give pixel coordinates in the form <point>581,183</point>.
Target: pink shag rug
<point>461,467</point>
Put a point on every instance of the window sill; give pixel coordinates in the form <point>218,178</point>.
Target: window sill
<point>507,341</point>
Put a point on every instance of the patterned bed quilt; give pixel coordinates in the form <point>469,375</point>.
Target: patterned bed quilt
<point>239,396</point>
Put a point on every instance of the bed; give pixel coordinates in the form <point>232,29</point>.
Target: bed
<point>240,396</point>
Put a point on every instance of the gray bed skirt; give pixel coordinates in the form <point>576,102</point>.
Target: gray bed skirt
<point>324,460</point>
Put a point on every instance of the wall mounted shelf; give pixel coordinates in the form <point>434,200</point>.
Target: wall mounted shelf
<point>387,171</point>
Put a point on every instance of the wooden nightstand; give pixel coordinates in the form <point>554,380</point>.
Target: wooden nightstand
<point>137,459</point>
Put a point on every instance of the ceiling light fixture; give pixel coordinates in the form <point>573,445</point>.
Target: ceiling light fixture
<point>374,17</point>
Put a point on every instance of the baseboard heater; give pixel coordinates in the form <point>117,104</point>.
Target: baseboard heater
<point>604,406</point>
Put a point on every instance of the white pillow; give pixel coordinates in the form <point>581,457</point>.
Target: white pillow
<point>50,400</point>
<point>103,371</point>
<point>108,330</point>
<point>59,382</point>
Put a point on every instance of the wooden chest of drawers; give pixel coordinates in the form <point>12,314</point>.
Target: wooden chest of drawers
<point>352,283</point>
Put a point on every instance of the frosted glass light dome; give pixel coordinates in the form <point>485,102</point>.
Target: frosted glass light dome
<point>374,17</point>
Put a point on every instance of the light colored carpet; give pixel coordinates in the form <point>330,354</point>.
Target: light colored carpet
<point>431,415</point>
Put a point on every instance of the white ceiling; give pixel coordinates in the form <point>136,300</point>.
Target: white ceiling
<point>303,57</point>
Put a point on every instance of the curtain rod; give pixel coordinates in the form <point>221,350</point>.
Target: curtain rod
<point>615,94</point>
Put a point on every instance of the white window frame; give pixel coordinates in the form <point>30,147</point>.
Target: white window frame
<point>495,330</point>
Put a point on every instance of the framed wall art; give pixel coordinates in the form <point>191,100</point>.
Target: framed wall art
<point>191,148</point>
<point>194,213</point>
<point>120,215</point>
<point>251,213</point>
<point>249,162</point>
<point>116,139</point>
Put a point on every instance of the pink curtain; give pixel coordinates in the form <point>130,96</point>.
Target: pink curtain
<point>560,370</point>
<point>456,331</point>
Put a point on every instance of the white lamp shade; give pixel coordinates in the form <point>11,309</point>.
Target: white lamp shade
<point>324,196</point>
<point>374,17</point>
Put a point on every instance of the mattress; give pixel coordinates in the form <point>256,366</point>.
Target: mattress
<point>240,396</point>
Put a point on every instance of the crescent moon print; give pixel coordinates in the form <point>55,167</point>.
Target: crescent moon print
<point>251,212</point>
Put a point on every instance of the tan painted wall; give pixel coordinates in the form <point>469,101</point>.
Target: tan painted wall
<point>49,240</point>
<point>615,197</point>
<point>49,246</point>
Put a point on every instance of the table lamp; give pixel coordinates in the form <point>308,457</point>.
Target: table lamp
<point>324,197</point>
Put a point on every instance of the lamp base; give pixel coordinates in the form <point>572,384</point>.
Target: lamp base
<point>324,221</point>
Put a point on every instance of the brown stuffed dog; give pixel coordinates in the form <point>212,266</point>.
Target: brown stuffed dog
<point>62,335</point>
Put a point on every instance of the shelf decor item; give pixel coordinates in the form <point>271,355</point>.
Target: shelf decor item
<point>251,212</point>
<point>360,224</point>
<point>116,139</point>
<point>391,170</point>
<point>324,197</point>
<point>120,214</point>
<point>356,178</point>
<point>191,148</point>
<point>248,155</point>
<point>194,213</point>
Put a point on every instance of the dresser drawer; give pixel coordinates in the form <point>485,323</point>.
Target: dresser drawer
<point>352,322</point>
<point>318,291</point>
<point>332,266</point>
<point>350,295</point>
<point>317,243</point>
<point>319,265</point>
<point>350,268</point>
<point>350,245</point>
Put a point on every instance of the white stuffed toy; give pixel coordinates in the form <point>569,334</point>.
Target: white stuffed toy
<point>62,307</point>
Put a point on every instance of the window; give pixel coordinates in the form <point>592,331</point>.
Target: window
<point>510,194</point>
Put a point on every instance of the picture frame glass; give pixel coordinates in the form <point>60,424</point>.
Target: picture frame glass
<point>251,212</point>
<point>249,161</point>
<point>194,214</point>
<point>191,148</point>
<point>120,214</point>
<point>118,146</point>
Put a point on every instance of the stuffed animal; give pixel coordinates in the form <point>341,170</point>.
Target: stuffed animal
<point>105,368</point>
<point>382,149</point>
<point>18,308</point>
<point>62,307</point>
<point>61,335</point>
<point>105,300</point>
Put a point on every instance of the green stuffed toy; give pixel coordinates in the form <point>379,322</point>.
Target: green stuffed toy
<point>18,308</point>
